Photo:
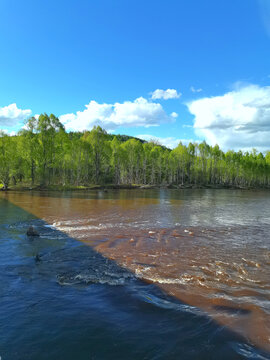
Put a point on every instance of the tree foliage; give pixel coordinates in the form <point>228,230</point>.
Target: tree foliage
<point>43,153</point>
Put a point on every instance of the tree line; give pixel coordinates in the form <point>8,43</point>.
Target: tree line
<point>43,154</point>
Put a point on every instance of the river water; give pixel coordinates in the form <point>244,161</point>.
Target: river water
<point>135,274</point>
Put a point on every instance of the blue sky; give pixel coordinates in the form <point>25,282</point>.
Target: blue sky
<point>59,56</point>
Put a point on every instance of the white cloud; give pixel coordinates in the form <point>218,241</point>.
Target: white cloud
<point>169,142</point>
<point>239,119</point>
<point>165,94</point>
<point>139,112</point>
<point>174,115</point>
<point>195,90</point>
<point>11,115</point>
<point>187,126</point>
<point>8,132</point>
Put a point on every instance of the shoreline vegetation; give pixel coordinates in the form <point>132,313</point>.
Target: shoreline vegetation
<point>43,156</point>
<point>126,187</point>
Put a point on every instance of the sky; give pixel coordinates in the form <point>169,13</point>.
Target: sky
<point>169,70</point>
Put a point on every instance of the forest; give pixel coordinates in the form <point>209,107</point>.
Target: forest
<point>44,154</point>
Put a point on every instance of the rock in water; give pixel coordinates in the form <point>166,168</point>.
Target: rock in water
<point>37,258</point>
<point>32,232</point>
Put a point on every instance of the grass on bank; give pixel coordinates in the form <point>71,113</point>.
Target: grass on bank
<point>24,186</point>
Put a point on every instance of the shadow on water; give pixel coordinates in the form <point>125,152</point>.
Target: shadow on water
<point>73,303</point>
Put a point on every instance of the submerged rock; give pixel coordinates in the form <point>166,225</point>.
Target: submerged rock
<point>32,232</point>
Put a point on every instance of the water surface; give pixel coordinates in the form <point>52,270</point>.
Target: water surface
<point>156,274</point>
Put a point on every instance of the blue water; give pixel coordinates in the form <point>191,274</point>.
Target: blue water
<point>75,304</point>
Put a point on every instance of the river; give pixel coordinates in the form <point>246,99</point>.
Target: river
<point>135,274</point>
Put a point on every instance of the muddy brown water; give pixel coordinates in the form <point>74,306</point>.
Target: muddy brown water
<point>208,248</point>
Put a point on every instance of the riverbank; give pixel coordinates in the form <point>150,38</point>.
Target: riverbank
<point>27,187</point>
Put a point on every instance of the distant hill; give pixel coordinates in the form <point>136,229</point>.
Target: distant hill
<point>122,138</point>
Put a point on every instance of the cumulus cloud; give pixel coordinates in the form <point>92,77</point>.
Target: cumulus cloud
<point>139,112</point>
<point>192,88</point>
<point>11,115</point>
<point>165,94</point>
<point>169,142</point>
<point>174,115</point>
<point>8,132</point>
<point>239,119</point>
